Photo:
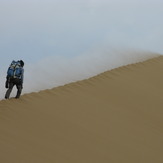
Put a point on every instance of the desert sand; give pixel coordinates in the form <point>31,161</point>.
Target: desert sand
<point>114,117</point>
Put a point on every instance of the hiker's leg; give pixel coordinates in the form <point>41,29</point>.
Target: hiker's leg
<point>19,90</point>
<point>11,85</point>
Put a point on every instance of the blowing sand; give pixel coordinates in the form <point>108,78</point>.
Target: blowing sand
<point>114,117</point>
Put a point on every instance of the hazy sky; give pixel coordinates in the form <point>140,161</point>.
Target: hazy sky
<point>62,41</point>
<point>34,29</point>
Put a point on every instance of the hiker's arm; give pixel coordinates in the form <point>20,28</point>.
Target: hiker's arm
<point>22,77</point>
<point>7,82</point>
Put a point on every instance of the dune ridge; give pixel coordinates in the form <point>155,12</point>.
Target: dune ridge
<point>115,116</point>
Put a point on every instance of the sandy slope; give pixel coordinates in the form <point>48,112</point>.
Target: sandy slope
<point>114,117</point>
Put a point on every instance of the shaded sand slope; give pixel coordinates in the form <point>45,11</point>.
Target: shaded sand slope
<point>114,117</point>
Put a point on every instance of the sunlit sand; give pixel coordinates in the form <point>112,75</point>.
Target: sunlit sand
<point>116,116</point>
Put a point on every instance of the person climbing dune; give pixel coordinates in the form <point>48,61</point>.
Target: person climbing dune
<point>15,76</point>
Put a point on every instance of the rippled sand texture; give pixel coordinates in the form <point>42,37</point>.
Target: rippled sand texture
<point>114,117</point>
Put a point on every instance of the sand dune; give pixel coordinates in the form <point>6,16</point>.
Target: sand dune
<point>114,117</point>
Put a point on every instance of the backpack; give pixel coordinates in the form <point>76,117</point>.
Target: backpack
<point>14,70</point>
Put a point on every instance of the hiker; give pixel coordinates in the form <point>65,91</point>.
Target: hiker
<point>15,74</point>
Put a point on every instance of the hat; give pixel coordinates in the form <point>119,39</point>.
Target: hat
<point>21,63</point>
